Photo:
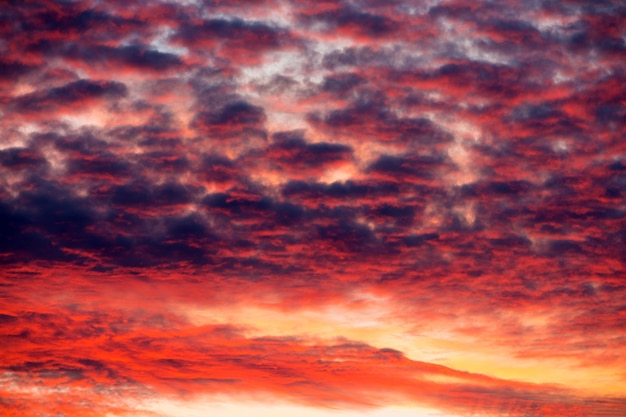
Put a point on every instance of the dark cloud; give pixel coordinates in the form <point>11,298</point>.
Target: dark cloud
<point>341,83</point>
<point>371,117</point>
<point>235,29</point>
<point>265,211</point>
<point>234,39</point>
<point>164,161</point>
<point>348,236</point>
<point>404,214</point>
<point>144,195</point>
<point>290,152</point>
<point>497,188</point>
<point>42,229</point>
<point>22,158</point>
<point>99,165</point>
<point>231,120</point>
<point>409,167</point>
<point>218,168</point>
<point>418,240</point>
<point>348,191</point>
<point>352,21</point>
<point>360,57</point>
<point>132,56</point>
<point>76,93</point>
<point>72,18</point>
<point>12,70</point>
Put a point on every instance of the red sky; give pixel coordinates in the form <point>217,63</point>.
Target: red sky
<point>314,208</point>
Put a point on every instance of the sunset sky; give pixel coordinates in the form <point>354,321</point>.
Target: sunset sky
<point>312,208</point>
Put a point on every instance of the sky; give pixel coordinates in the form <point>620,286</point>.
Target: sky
<point>314,208</point>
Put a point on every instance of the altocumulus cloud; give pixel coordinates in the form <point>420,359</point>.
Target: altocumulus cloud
<point>337,204</point>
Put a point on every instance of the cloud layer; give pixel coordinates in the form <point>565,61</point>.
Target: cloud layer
<point>425,201</point>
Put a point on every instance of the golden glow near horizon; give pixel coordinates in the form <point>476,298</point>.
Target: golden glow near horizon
<point>227,407</point>
<point>376,324</point>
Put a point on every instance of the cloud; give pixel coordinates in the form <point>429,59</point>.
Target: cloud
<point>241,41</point>
<point>69,97</point>
<point>351,22</point>
<point>419,203</point>
<point>103,58</point>
<point>160,353</point>
<point>231,120</point>
<point>407,167</point>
